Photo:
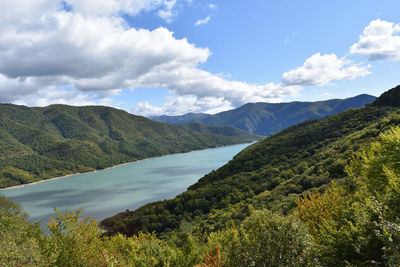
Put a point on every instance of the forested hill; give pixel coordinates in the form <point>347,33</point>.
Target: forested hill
<point>268,118</point>
<point>40,143</point>
<point>271,173</point>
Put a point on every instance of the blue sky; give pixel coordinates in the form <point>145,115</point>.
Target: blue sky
<point>176,56</point>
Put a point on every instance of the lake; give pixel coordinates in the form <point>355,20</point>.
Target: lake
<point>106,192</point>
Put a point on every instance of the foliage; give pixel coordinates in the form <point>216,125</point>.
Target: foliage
<point>357,222</point>
<point>72,241</point>
<point>18,238</point>
<point>214,258</point>
<point>376,172</point>
<point>338,224</point>
<point>265,239</point>
<point>262,239</point>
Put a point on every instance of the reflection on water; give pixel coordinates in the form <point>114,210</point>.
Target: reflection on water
<point>107,192</point>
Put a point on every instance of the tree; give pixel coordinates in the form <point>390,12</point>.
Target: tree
<point>19,238</point>
<point>376,172</point>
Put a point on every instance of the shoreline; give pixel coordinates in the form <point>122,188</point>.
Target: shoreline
<point>66,176</point>
<point>119,165</point>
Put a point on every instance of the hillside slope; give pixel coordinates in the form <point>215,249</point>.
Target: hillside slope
<point>40,143</point>
<point>268,118</point>
<point>271,173</point>
<point>219,130</point>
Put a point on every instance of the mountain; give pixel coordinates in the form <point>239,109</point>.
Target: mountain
<point>268,118</point>
<point>219,130</point>
<point>188,117</point>
<point>271,173</point>
<point>41,143</point>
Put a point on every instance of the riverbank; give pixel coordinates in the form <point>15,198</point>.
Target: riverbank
<point>110,191</point>
<point>66,176</point>
<point>114,166</point>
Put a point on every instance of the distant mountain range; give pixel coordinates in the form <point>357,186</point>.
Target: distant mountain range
<point>188,117</point>
<point>268,118</point>
<point>41,143</point>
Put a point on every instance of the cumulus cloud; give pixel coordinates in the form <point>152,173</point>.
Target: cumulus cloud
<point>130,7</point>
<point>83,49</point>
<point>200,83</point>
<point>37,8</point>
<point>94,53</point>
<point>167,13</point>
<point>323,69</point>
<point>25,91</point>
<point>380,40</point>
<point>201,91</point>
<point>202,21</point>
<point>181,105</point>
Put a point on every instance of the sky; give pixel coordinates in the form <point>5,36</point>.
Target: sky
<point>153,57</point>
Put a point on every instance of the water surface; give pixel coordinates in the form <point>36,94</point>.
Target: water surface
<point>107,192</point>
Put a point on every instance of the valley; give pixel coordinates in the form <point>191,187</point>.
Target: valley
<point>181,133</point>
<point>43,143</point>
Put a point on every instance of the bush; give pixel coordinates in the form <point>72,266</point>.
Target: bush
<point>265,239</point>
<point>18,237</point>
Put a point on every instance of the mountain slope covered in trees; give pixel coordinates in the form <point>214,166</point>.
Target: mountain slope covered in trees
<point>271,173</point>
<point>268,118</point>
<point>41,143</point>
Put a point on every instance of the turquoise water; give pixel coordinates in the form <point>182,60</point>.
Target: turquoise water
<point>107,192</point>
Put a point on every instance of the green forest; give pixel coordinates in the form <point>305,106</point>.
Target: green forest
<point>42,143</point>
<point>322,193</point>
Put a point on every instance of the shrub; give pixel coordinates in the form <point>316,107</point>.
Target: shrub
<point>18,237</point>
<point>265,239</point>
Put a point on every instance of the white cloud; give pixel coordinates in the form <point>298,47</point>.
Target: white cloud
<point>131,7</point>
<point>145,109</point>
<point>181,105</point>
<point>379,40</point>
<point>290,38</point>
<point>25,91</point>
<point>213,6</point>
<point>93,53</point>
<point>167,13</point>
<point>193,81</point>
<point>323,69</point>
<point>202,21</point>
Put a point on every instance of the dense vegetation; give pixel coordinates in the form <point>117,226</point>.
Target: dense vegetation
<point>354,223</point>
<point>41,143</point>
<point>71,240</point>
<point>271,173</point>
<point>266,118</point>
